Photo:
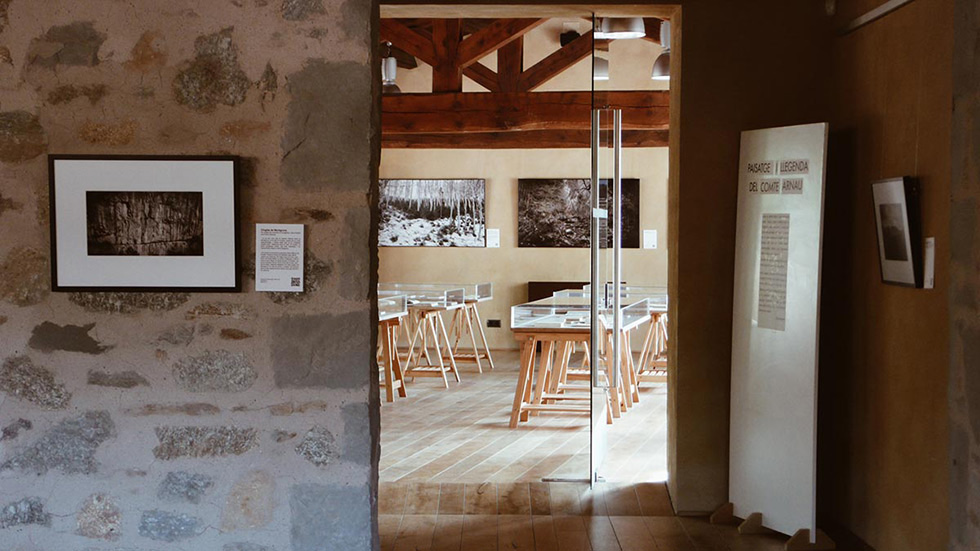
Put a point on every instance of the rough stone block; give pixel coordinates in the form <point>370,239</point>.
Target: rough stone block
<point>301,10</point>
<point>68,447</point>
<point>29,510</point>
<point>303,215</point>
<point>123,379</point>
<point>75,44</point>
<point>98,133</point>
<point>329,517</point>
<point>49,337</point>
<point>147,53</point>
<point>251,502</point>
<point>99,518</point>
<point>7,203</point>
<point>203,441</point>
<point>178,335</point>
<point>21,137</point>
<point>214,76</point>
<point>357,434</point>
<point>193,409</point>
<point>231,334</point>
<point>329,110</point>
<point>129,303</point>
<point>182,486</point>
<point>12,430</point>
<point>355,282</point>
<point>215,371</point>
<point>289,408</point>
<point>169,527</point>
<point>24,277</point>
<point>244,546</point>
<point>317,446</point>
<point>69,92</point>
<point>323,350</point>
<point>219,310</point>
<point>315,274</point>
<point>19,377</point>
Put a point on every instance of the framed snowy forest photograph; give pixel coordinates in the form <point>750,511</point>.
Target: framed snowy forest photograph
<point>433,213</point>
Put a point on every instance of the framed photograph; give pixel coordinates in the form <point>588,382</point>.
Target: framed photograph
<point>556,212</point>
<point>896,205</point>
<point>138,223</point>
<point>433,213</point>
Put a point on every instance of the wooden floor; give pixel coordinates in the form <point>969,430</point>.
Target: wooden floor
<point>547,517</point>
<point>461,435</point>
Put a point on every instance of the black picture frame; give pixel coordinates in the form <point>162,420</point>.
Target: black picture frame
<point>898,227</point>
<point>230,261</point>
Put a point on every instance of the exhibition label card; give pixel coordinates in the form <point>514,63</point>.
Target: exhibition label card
<point>279,257</point>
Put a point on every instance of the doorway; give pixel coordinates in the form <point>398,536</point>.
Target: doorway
<point>446,443</point>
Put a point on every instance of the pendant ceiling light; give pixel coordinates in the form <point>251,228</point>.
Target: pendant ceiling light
<point>617,28</point>
<point>661,67</point>
<point>600,68</point>
<point>389,71</point>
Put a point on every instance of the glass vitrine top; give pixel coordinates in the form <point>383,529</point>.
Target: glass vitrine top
<point>424,298</point>
<point>477,292</point>
<point>570,312</point>
<point>391,307</point>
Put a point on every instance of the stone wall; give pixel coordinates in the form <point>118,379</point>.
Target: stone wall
<point>964,285</point>
<point>173,420</point>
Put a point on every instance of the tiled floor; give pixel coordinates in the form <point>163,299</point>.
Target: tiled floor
<point>547,517</point>
<point>461,434</point>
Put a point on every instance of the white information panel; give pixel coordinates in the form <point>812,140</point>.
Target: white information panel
<point>775,323</point>
<point>279,257</point>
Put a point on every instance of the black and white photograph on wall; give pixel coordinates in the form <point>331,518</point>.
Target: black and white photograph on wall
<point>432,213</point>
<point>556,212</point>
<point>146,223</point>
<point>896,209</point>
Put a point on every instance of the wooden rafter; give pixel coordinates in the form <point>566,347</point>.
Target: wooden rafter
<point>447,73</point>
<point>494,36</point>
<point>408,40</point>
<point>484,76</point>
<point>531,139</point>
<point>549,67</point>
<point>510,65</point>
<point>518,111</point>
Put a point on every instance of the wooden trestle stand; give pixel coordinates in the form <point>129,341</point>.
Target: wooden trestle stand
<point>462,325</point>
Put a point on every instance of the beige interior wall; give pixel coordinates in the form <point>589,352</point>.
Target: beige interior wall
<point>510,267</point>
<point>884,461</point>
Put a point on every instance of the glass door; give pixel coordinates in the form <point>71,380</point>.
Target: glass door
<point>606,268</point>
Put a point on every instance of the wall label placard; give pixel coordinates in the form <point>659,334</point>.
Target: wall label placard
<point>773,269</point>
<point>279,257</point>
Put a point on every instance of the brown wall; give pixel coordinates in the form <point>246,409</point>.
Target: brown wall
<point>883,456</point>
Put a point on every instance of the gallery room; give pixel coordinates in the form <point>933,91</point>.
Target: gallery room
<point>379,275</point>
<point>499,204</point>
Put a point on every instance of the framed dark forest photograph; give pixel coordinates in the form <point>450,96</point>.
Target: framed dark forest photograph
<point>432,213</point>
<point>555,212</point>
<point>896,209</point>
<point>128,223</point>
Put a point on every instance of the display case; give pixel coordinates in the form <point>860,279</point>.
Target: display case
<point>552,313</point>
<point>656,296</point>
<point>419,296</point>
<point>473,292</point>
<point>391,307</point>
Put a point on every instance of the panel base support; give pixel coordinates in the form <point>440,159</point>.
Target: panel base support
<point>752,525</point>
<point>801,542</point>
<point>724,514</point>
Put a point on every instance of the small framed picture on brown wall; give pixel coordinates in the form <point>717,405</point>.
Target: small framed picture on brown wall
<point>144,223</point>
<point>899,228</point>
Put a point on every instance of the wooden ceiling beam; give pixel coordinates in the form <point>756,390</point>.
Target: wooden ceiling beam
<point>494,36</point>
<point>652,26</point>
<point>518,111</point>
<point>551,66</point>
<point>408,40</point>
<point>484,76</point>
<point>447,73</point>
<point>510,65</point>
<point>532,139</point>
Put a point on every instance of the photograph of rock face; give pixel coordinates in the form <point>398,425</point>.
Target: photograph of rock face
<point>555,212</point>
<point>145,223</point>
<point>893,232</point>
<point>432,213</point>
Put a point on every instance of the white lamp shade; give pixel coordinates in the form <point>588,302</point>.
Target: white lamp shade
<point>661,67</point>
<point>600,68</point>
<point>614,28</point>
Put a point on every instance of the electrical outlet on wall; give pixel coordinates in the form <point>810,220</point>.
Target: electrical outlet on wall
<point>493,323</point>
